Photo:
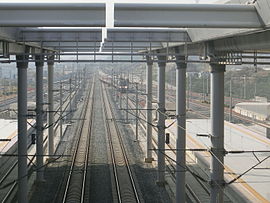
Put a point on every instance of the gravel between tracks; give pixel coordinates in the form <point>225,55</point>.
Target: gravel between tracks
<point>100,179</point>
<point>145,174</point>
<point>44,192</point>
<point>100,187</point>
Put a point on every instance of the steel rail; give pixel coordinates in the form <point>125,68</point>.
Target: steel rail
<point>123,196</point>
<point>9,171</point>
<point>71,191</point>
<point>193,194</point>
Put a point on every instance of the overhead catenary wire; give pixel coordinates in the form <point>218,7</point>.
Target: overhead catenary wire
<point>208,148</point>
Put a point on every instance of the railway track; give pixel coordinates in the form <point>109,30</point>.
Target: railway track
<point>76,181</point>
<point>125,187</point>
<point>171,167</point>
<point>7,186</point>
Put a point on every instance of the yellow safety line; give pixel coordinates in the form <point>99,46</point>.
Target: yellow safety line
<point>227,169</point>
<point>248,133</point>
<point>12,136</point>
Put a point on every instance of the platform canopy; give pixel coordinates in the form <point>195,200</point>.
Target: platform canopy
<point>187,15</point>
<point>52,14</point>
<point>138,28</point>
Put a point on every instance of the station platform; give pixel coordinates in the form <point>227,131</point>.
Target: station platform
<point>254,185</point>
<point>9,129</point>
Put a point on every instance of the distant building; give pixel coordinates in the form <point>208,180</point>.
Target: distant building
<point>255,110</point>
<point>261,99</point>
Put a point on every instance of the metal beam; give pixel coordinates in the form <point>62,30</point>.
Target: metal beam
<point>132,45</point>
<point>60,35</point>
<point>52,14</point>
<point>8,33</point>
<point>146,35</point>
<point>187,15</point>
<point>73,44</point>
<point>128,50</point>
<point>259,41</point>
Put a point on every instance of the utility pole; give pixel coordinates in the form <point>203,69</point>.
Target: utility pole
<point>207,85</point>
<point>255,87</point>
<point>137,106</point>
<point>245,87</point>
<point>203,87</point>
<point>112,78</point>
<point>127,97</point>
<point>120,93</point>
<point>113,90</point>
<point>70,100</point>
<point>116,86</point>
<point>230,119</point>
<point>141,80</point>
<point>61,109</point>
<point>188,90</point>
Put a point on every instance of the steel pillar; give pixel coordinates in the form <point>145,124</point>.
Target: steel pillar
<point>120,93</point>
<point>51,108</point>
<point>22,128</point>
<point>181,130</point>
<point>217,133</point>
<point>61,109</point>
<point>245,87</point>
<point>127,97</point>
<point>203,94</point>
<point>230,116</point>
<point>161,121</point>
<point>137,113</point>
<point>188,91</point>
<point>149,83</point>
<point>39,117</point>
<point>268,133</point>
<point>70,98</point>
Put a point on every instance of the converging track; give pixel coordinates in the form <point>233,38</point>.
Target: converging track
<point>76,181</point>
<point>125,186</point>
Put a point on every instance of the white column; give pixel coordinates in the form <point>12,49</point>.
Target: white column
<point>181,129</point>
<point>149,83</point>
<point>217,133</point>
<point>22,66</point>
<point>51,103</point>
<point>161,120</point>
<point>39,117</point>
